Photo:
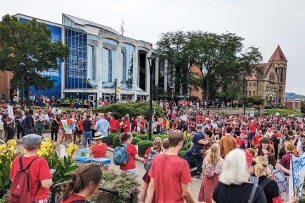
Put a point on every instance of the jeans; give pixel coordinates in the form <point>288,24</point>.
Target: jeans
<point>54,131</point>
<point>104,139</point>
<point>250,136</point>
<point>188,155</point>
<point>87,135</point>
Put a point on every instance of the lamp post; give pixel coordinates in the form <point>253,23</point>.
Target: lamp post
<point>21,82</point>
<point>151,60</point>
<point>115,86</point>
<point>171,105</point>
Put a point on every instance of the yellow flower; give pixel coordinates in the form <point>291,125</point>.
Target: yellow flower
<point>24,151</point>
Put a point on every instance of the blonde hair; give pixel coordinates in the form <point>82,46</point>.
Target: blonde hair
<point>234,170</point>
<point>158,144</point>
<point>213,155</point>
<point>289,146</point>
<point>260,166</point>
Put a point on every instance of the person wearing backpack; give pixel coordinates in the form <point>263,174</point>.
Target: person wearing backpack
<point>29,125</point>
<point>29,167</point>
<point>126,148</point>
<point>269,186</point>
<point>157,147</point>
<point>211,169</point>
<point>85,182</point>
<point>277,170</point>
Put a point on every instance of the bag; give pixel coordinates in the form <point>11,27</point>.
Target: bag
<point>150,157</point>
<point>279,178</point>
<point>21,187</point>
<point>209,171</point>
<point>252,194</point>
<point>120,155</point>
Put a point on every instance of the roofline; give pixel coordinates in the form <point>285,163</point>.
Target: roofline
<point>20,14</point>
<point>66,15</point>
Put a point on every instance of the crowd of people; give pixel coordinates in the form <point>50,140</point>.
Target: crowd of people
<point>231,151</point>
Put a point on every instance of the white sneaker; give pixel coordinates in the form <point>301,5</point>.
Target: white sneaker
<point>61,145</point>
<point>81,143</point>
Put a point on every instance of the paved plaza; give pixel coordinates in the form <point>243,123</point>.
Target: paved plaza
<point>194,185</point>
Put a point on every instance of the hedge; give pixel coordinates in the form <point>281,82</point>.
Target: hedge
<point>143,145</point>
<point>135,140</point>
<point>109,140</point>
<point>143,137</point>
<point>131,108</point>
<point>116,140</point>
<point>134,134</point>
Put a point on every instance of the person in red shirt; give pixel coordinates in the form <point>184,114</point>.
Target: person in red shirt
<point>114,124</point>
<point>252,130</point>
<point>80,128</point>
<point>170,174</point>
<point>99,148</point>
<point>126,124</point>
<point>85,182</point>
<point>130,166</point>
<point>40,174</point>
<point>242,141</point>
<point>255,140</point>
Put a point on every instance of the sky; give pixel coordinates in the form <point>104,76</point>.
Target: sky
<point>262,23</point>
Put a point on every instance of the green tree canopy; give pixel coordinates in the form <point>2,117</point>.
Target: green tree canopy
<point>31,44</point>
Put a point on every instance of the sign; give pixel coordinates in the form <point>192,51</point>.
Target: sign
<point>297,175</point>
<point>184,118</point>
<point>251,113</point>
<point>118,90</point>
<point>56,111</point>
<point>277,114</point>
<point>65,124</point>
<point>10,111</point>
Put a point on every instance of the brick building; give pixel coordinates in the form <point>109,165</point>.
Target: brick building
<point>5,78</point>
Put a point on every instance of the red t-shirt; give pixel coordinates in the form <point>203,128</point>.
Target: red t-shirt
<point>39,171</point>
<point>256,139</point>
<point>252,127</point>
<point>131,163</point>
<point>99,150</point>
<point>178,172</point>
<point>114,124</point>
<point>72,198</point>
<point>80,125</point>
<point>146,154</point>
<point>127,124</point>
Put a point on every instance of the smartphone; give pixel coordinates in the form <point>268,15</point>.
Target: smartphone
<point>254,180</point>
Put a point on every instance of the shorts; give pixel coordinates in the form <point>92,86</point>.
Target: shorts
<point>69,131</point>
<point>62,131</point>
<point>80,132</point>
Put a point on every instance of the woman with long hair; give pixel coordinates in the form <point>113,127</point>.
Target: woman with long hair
<point>212,161</point>
<point>157,145</point>
<point>85,182</point>
<point>264,148</point>
<point>233,185</point>
<point>130,166</point>
<point>269,186</point>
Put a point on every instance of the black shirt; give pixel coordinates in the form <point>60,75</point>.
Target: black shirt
<point>237,193</point>
<point>271,189</point>
<point>87,125</point>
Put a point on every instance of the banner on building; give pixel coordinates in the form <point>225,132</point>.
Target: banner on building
<point>297,175</point>
<point>10,111</point>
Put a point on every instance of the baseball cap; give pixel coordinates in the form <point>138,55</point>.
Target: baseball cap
<point>31,140</point>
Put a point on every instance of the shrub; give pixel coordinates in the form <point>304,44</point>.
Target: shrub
<point>131,108</point>
<point>109,140</point>
<point>135,140</point>
<point>143,145</point>
<point>143,137</point>
<point>116,140</point>
<point>134,134</point>
<point>181,154</point>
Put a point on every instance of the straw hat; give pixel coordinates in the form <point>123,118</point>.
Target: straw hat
<point>97,136</point>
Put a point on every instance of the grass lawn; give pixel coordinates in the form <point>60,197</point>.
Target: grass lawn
<point>283,112</point>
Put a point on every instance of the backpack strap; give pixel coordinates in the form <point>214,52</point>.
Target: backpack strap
<point>264,183</point>
<point>252,193</point>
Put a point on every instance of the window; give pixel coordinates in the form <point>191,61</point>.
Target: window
<point>253,92</point>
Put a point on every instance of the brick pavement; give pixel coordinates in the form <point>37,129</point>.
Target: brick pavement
<point>194,186</point>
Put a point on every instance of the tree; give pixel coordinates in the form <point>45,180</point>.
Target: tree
<point>221,58</point>
<point>31,44</point>
<point>172,46</point>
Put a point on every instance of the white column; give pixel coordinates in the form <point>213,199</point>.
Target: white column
<point>99,66</point>
<point>63,65</point>
<point>157,71</point>
<point>135,72</point>
<point>118,68</point>
<point>165,75</point>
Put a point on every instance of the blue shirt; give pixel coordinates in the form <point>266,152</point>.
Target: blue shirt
<point>102,126</point>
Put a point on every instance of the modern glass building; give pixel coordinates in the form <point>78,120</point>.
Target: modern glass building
<point>100,59</point>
